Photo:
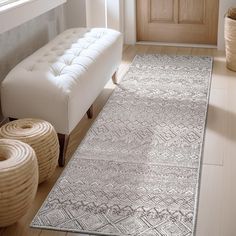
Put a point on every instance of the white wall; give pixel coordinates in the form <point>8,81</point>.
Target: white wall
<point>105,13</point>
<point>75,13</point>
<point>122,16</point>
<point>115,14</point>
<point>95,13</point>
<point>130,21</point>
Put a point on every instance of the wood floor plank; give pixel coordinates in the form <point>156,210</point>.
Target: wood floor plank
<point>184,51</point>
<point>169,50</point>
<point>210,205</point>
<point>77,234</point>
<point>153,49</point>
<point>129,54</point>
<point>1,231</point>
<point>52,233</point>
<point>221,75</point>
<point>216,130</point>
<point>202,51</point>
<point>228,226</point>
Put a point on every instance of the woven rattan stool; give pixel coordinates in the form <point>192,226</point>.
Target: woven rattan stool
<point>230,39</point>
<point>18,180</point>
<point>41,136</point>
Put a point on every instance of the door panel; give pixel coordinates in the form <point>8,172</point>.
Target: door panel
<point>161,10</point>
<point>192,11</point>
<point>178,21</point>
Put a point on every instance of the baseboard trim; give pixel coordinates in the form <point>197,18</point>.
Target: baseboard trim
<point>177,44</point>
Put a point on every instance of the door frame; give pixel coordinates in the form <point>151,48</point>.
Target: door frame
<point>130,22</point>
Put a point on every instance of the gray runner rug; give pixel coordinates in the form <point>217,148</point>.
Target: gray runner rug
<point>137,171</point>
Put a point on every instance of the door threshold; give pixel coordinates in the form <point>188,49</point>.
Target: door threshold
<point>177,44</point>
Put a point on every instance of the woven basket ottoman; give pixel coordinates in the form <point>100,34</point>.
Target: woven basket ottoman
<point>230,41</point>
<point>18,180</point>
<point>42,137</point>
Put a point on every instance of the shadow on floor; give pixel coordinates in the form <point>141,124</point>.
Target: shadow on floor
<point>222,121</point>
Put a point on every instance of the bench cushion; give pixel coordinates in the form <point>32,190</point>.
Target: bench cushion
<point>60,81</point>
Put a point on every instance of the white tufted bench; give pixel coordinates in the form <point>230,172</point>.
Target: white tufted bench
<point>59,82</point>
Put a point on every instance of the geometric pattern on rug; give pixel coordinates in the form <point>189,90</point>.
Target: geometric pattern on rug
<point>137,171</point>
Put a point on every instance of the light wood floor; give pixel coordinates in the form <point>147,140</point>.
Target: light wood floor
<point>217,209</point>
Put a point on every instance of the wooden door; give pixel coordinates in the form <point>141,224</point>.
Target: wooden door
<point>178,21</point>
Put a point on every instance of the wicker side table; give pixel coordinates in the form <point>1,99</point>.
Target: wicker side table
<point>18,180</point>
<point>41,136</point>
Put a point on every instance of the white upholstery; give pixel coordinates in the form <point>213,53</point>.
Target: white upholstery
<point>60,81</point>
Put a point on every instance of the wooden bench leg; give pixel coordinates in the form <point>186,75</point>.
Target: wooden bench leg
<point>90,112</point>
<point>63,141</point>
<point>12,119</point>
<point>114,78</point>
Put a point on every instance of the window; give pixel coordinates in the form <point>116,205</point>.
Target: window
<point>5,2</point>
<point>13,12</point>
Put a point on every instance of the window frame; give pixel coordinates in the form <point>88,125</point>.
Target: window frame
<point>18,12</point>
<point>6,2</point>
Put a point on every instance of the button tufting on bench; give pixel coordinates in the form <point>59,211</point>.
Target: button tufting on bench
<point>61,80</point>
